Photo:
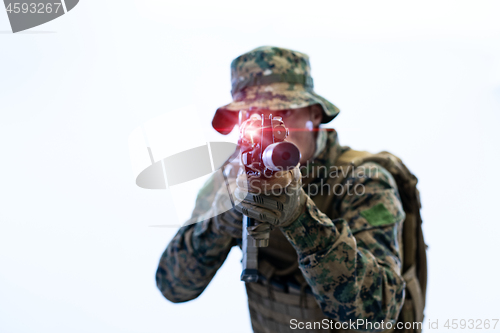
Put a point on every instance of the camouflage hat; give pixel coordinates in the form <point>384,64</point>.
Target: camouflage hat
<point>270,78</point>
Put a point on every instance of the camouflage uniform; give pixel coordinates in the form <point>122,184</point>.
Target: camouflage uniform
<point>347,246</point>
<point>352,263</point>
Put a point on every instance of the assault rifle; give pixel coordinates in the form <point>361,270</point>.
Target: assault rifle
<point>263,152</point>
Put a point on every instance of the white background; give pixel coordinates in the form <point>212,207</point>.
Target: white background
<point>419,79</point>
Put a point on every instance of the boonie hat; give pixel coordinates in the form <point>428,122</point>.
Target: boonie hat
<point>270,78</point>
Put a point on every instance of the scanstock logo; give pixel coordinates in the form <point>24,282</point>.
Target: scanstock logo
<point>170,152</point>
<point>28,14</point>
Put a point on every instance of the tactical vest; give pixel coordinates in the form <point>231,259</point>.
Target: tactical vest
<point>273,303</point>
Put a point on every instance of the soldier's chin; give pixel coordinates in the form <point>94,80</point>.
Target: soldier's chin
<point>307,156</point>
<point>306,145</point>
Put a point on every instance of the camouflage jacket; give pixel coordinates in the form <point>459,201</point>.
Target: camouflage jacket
<point>349,254</point>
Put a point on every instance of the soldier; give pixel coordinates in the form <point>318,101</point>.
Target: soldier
<point>332,255</point>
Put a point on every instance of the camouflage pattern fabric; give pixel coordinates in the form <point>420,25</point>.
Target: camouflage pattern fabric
<point>348,251</point>
<point>273,78</point>
<point>197,251</point>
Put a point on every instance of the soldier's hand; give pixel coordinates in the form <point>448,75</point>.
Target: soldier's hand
<point>278,200</point>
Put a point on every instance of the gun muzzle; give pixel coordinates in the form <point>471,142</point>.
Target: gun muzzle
<point>281,156</point>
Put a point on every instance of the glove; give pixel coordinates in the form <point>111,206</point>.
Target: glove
<point>278,200</point>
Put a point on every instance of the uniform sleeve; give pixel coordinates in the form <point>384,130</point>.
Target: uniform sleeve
<point>353,263</point>
<point>195,253</point>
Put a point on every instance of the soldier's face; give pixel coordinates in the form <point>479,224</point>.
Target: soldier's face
<point>301,124</point>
